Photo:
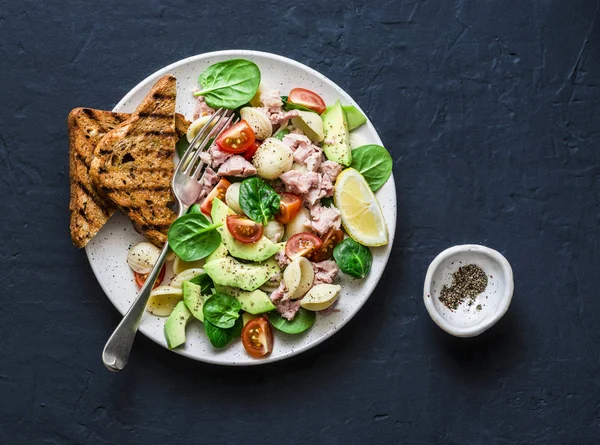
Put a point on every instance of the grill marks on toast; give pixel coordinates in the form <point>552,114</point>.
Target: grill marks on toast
<point>133,164</point>
<point>89,209</point>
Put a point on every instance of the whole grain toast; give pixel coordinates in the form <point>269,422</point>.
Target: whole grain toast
<point>89,210</point>
<point>133,164</point>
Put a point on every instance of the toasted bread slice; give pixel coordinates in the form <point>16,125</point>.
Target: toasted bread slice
<point>89,210</point>
<point>133,164</point>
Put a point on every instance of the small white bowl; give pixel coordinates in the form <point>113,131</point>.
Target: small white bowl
<point>469,320</point>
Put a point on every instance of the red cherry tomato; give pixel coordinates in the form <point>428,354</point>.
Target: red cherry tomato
<point>140,278</point>
<point>330,240</point>
<point>302,244</point>
<point>308,99</point>
<point>218,192</point>
<point>236,139</point>
<point>244,229</point>
<point>289,206</point>
<point>257,337</point>
<point>250,152</point>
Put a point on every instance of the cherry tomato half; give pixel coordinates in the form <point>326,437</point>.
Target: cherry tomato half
<point>308,99</point>
<point>302,244</point>
<point>244,229</point>
<point>330,240</point>
<point>257,337</point>
<point>140,279</point>
<point>218,192</point>
<point>250,152</point>
<point>236,139</point>
<point>289,206</point>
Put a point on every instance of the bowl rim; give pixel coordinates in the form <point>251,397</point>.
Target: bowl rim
<point>477,329</point>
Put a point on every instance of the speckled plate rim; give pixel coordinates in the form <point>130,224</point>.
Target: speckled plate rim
<point>391,222</point>
<point>477,329</point>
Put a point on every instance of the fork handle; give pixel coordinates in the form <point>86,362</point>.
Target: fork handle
<point>118,347</point>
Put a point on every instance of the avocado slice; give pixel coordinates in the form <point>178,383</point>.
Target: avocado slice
<point>230,272</point>
<point>255,302</point>
<point>175,325</point>
<point>259,251</point>
<point>354,117</point>
<point>311,125</point>
<point>193,299</point>
<point>336,144</point>
<point>219,252</point>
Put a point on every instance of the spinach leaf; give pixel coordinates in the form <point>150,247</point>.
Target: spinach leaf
<point>205,282</point>
<point>193,237</point>
<point>303,320</point>
<point>287,105</point>
<point>222,310</point>
<point>220,337</point>
<point>353,258</point>
<point>258,200</point>
<point>229,84</point>
<point>182,146</point>
<point>327,201</point>
<point>195,209</point>
<point>281,133</point>
<point>373,162</point>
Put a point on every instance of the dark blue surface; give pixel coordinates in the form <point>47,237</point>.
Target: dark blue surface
<point>492,113</point>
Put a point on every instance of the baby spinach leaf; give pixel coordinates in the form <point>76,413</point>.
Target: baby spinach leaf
<point>182,146</point>
<point>280,134</point>
<point>220,337</point>
<point>229,84</point>
<point>373,162</point>
<point>222,310</point>
<point>205,282</point>
<point>193,237</point>
<point>195,209</point>
<point>327,201</point>
<point>303,320</point>
<point>287,105</point>
<point>353,258</point>
<point>258,200</point>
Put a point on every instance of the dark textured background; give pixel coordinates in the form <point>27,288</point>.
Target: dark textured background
<point>492,113</point>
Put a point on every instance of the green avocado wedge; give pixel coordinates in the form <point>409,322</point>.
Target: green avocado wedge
<point>258,251</point>
<point>175,325</point>
<point>336,143</point>
<point>254,302</point>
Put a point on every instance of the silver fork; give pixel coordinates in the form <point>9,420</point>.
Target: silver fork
<point>186,186</point>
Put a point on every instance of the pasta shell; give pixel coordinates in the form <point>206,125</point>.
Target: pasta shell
<point>274,231</point>
<point>298,277</point>
<point>299,224</point>
<point>142,257</point>
<point>321,297</point>
<point>232,198</point>
<point>258,121</point>
<point>163,299</point>
<point>272,159</point>
<point>186,275</point>
<point>196,126</point>
<point>179,265</point>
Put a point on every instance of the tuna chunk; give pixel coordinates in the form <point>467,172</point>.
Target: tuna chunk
<point>218,156</point>
<point>282,116</point>
<point>271,100</point>
<point>305,152</point>
<point>202,108</point>
<point>298,182</point>
<point>280,294</point>
<point>288,308</point>
<point>325,218</point>
<point>282,259</point>
<point>325,272</point>
<point>209,180</point>
<point>237,166</point>
<point>331,170</point>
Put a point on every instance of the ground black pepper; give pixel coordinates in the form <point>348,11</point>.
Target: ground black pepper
<point>467,282</point>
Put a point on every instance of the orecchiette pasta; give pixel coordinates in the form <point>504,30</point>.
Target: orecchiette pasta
<point>258,121</point>
<point>232,197</point>
<point>163,299</point>
<point>272,159</point>
<point>142,257</point>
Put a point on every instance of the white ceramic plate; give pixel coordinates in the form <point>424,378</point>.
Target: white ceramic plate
<point>107,252</point>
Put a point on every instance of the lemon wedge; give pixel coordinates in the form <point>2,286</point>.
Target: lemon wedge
<point>361,215</point>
